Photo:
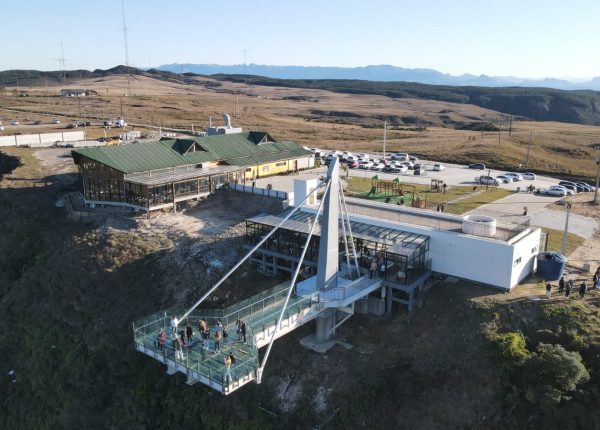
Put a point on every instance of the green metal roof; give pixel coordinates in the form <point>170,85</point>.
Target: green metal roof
<point>239,149</point>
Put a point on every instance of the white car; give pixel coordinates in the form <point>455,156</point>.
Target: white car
<point>487,180</point>
<point>529,176</point>
<point>569,191</point>
<point>408,164</point>
<point>514,176</point>
<point>14,122</point>
<point>438,167</point>
<point>555,191</point>
<point>504,179</point>
<point>365,165</point>
<point>399,168</point>
<point>378,167</point>
<point>399,156</point>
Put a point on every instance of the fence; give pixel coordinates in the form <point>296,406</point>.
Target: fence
<point>260,191</point>
<point>41,140</point>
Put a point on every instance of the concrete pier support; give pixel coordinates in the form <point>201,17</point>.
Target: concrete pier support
<point>325,324</point>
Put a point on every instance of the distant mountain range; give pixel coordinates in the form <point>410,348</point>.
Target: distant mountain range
<point>380,73</point>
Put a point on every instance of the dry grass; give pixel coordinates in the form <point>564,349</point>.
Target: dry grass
<point>343,121</point>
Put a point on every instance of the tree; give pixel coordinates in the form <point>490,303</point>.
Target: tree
<point>551,373</point>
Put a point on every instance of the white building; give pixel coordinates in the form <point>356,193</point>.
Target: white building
<point>470,248</point>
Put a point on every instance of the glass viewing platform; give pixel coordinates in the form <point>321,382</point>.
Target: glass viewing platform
<point>200,360</point>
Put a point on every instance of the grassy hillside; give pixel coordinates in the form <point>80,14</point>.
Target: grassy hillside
<point>468,358</point>
<point>540,104</point>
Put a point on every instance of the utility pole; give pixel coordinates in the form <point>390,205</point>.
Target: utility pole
<point>384,137</point>
<point>499,129</point>
<point>597,181</point>
<point>528,149</point>
<point>566,232</point>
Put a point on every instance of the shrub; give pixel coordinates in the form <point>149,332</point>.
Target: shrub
<point>512,346</point>
<point>551,373</point>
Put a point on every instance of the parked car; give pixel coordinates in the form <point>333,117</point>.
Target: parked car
<point>72,125</point>
<point>505,179</point>
<point>555,191</point>
<point>487,180</point>
<point>514,176</point>
<point>14,122</point>
<point>388,169</point>
<point>529,176</point>
<point>420,172</point>
<point>37,122</point>
<point>438,167</point>
<point>401,156</point>
<point>578,187</point>
<point>378,167</point>
<point>365,165</point>
<point>56,121</point>
<point>570,191</point>
<point>88,123</point>
<point>108,123</point>
<point>399,169</point>
<point>477,166</point>
<point>588,188</point>
<point>571,187</point>
<point>353,164</point>
<point>413,159</point>
<point>80,123</point>
<point>409,164</point>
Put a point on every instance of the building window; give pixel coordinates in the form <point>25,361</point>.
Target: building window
<point>517,261</point>
<point>280,164</point>
<point>249,169</point>
<point>534,250</point>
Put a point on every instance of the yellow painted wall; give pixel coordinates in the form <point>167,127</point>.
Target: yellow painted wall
<point>269,169</point>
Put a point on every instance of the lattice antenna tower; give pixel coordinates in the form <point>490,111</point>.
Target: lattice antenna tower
<point>126,46</point>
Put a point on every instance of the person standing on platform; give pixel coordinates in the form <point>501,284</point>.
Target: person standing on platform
<point>178,349</point>
<point>227,374</point>
<point>217,341</point>
<point>373,269</point>
<point>189,333</point>
<point>162,338</point>
<point>243,330</point>
<point>174,324</point>
<point>382,271</point>
<point>582,290</point>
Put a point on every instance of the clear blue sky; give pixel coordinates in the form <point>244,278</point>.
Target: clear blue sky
<point>525,38</point>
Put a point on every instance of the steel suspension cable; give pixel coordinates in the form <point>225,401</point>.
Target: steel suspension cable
<point>294,278</point>
<point>248,255</point>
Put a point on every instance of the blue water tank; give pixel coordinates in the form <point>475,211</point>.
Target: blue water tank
<point>551,265</point>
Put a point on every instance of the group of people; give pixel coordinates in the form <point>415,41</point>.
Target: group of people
<point>377,268</point>
<point>567,287</point>
<point>184,339</point>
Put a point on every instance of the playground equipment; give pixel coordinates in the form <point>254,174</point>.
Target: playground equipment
<point>387,187</point>
<point>437,185</point>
